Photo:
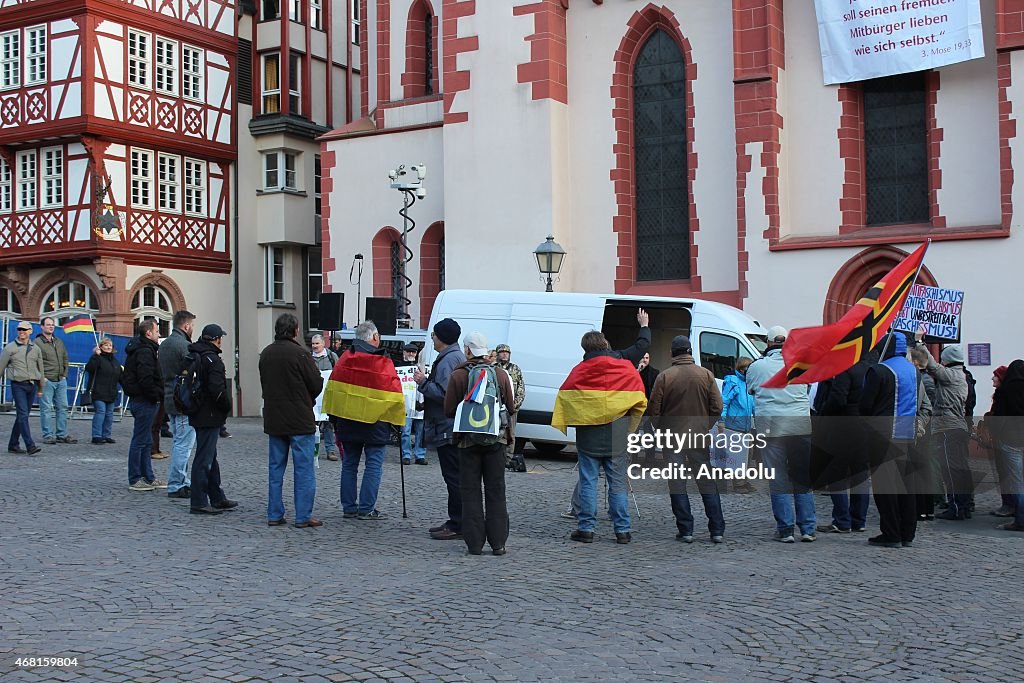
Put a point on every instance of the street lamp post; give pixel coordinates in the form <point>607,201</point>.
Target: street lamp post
<point>549,259</point>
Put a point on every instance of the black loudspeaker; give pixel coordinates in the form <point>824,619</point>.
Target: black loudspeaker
<point>332,306</point>
<point>383,311</point>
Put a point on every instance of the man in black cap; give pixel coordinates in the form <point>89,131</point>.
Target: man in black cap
<point>214,406</point>
<point>412,433</point>
<point>437,426</point>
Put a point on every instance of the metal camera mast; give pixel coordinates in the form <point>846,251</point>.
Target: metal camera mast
<point>407,179</point>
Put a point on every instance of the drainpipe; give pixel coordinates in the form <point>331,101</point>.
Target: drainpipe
<point>234,235</point>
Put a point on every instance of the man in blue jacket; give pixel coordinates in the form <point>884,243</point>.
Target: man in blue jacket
<point>437,426</point>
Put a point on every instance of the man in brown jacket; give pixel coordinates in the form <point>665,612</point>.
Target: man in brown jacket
<point>481,457</point>
<point>686,401</point>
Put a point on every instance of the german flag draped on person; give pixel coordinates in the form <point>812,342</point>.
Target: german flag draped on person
<point>598,391</point>
<point>364,387</point>
<point>815,354</point>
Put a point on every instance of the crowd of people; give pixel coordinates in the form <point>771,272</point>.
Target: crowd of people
<point>896,425</point>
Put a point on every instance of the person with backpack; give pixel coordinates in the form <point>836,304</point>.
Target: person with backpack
<point>143,383</point>
<point>475,383</point>
<point>172,355</point>
<point>211,410</point>
<point>325,359</point>
<point>950,429</point>
<point>104,375</point>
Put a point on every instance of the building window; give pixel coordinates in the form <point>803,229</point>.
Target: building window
<point>279,171</point>
<point>10,60</point>
<point>66,300</point>
<point>896,150</point>
<point>153,303</point>
<point>26,180</point>
<point>142,179</point>
<point>195,187</point>
<point>5,186</point>
<point>428,30</point>
<point>314,285</point>
<point>165,66</point>
<point>355,21</point>
<point>271,84</point>
<point>295,84</point>
<point>192,73</point>
<point>317,197</point>
<point>138,59</point>
<point>316,14</point>
<point>271,9</point>
<point>719,352</point>
<point>275,274</point>
<point>35,55</point>
<point>53,177</point>
<point>662,191</point>
<point>8,302</point>
<point>168,183</point>
<point>295,10</point>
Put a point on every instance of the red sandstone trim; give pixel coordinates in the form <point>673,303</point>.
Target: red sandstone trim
<point>328,161</point>
<point>364,56</point>
<point>640,26</point>
<point>380,264</point>
<point>1009,24</point>
<point>1007,131</point>
<point>413,81</point>
<point>889,235</point>
<point>858,274</point>
<point>383,52</point>
<point>456,81</point>
<point>547,70</point>
<point>430,270</point>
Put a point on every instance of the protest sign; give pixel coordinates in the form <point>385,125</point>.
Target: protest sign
<point>862,39</point>
<point>937,309</point>
<point>318,406</point>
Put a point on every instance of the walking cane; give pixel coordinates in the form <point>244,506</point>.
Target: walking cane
<point>401,469</point>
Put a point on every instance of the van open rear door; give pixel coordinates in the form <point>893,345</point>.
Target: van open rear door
<point>667,319</point>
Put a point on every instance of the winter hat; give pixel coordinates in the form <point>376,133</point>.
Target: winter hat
<point>774,333</point>
<point>1000,372</point>
<point>448,331</point>
<point>952,354</point>
<point>900,342</point>
<point>681,345</point>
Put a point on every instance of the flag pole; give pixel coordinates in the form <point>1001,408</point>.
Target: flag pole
<point>888,333</point>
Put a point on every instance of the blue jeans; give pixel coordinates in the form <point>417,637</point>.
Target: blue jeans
<point>413,428</point>
<point>618,494</point>
<point>790,456</point>
<point>140,466</point>
<point>709,495</point>
<point>367,501</point>
<point>303,476</point>
<point>23,394</point>
<point>54,394</point>
<point>184,439</point>
<point>850,510</point>
<point>102,419</point>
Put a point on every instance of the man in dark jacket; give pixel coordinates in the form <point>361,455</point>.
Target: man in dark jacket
<point>1008,432</point>
<point>840,452</point>
<point>214,407</point>
<point>291,382</point>
<point>144,384</point>
<point>358,438</point>
<point>889,404</point>
<point>172,356</point>
<point>437,426</point>
<point>686,400</point>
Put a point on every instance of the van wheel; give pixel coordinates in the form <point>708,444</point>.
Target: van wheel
<point>547,448</point>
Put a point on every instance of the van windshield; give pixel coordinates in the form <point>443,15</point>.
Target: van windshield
<point>759,341</point>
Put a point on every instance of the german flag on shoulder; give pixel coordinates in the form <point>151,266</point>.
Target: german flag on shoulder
<point>365,387</point>
<point>598,391</point>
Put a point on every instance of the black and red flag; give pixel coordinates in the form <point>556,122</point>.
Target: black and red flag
<point>814,354</point>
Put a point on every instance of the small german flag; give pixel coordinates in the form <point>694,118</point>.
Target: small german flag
<point>814,354</point>
<point>365,387</point>
<point>599,391</point>
<point>79,323</point>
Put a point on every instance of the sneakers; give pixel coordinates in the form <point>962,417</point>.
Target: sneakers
<point>685,538</point>
<point>17,450</point>
<point>717,539</point>
<point>950,516</point>
<point>308,524</point>
<point>141,485</point>
<point>859,529</point>
<point>1010,526</point>
<point>99,442</point>
<point>183,492</point>
<point>582,536</point>
<point>66,439</point>
<point>225,434</point>
<point>622,538</point>
<point>1003,511</point>
<point>332,456</point>
<point>158,483</point>
<point>406,461</point>
<point>421,461</point>
<point>567,515</point>
<point>784,537</point>
<point>49,440</point>
<point>373,515</point>
<point>205,510</point>
<point>499,551</point>
<point>884,542</point>
<point>109,440</point>
<point>349,515</point>
<point>832,529</point>
<point>33,450</point>
<point>808,538</point>
<point>226,504</point>
<point>158,455</point>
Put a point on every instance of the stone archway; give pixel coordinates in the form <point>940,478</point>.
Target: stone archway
<point>857,275</point>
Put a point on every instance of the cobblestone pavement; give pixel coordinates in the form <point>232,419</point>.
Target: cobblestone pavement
<point>137,589</point>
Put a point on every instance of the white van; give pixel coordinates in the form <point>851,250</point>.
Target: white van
<point>544,330</point>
